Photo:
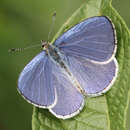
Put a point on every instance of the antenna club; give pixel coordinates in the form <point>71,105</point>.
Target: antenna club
<point>11,50</point>
<point>15,49</point>
<point>54,14</point>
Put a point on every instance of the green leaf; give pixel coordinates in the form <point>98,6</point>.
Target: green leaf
<point>106,112</point>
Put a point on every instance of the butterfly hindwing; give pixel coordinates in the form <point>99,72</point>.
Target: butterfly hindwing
<point>69,100</point>
<point>95,79</point>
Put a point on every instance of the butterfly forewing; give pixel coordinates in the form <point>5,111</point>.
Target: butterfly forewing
<point>35,82</point>
<point>94,39</point>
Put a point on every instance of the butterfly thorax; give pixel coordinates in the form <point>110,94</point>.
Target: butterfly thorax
<point>56,56</point>
<point>54,53</point>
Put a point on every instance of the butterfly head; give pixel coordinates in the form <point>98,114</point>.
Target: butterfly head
<point>44,44</point>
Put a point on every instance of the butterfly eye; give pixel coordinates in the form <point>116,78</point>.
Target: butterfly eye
<point>44,44</point>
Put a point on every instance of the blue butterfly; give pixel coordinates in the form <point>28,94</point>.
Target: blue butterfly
<point>80,63</point>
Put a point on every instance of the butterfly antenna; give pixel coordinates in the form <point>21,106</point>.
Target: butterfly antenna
<point>52,25</point>
<point>22,49</point>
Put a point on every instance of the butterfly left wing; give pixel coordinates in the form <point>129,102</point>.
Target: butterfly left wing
<point>69,100</point>
<point>35,82</point>
<point>44,84</point>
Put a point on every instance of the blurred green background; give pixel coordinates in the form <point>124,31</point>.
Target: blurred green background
<point>22,22</point>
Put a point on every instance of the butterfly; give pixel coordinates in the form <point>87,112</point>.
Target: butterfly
<point>80,63</point>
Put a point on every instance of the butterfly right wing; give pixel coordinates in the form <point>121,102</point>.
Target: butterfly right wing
<point>95,79</point>
<point>93,39</point>
<point>35,82</point>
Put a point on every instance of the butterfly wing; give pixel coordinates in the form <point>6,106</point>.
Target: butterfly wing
<point>94,39</point>
<point>95,79</point>
<point>45,84</point>
<point>69,100</point>
<point>36,84</point>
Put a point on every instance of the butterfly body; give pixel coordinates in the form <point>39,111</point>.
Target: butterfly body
<point>58,58</point>
<point>81,62</point>
<point>55,55</point>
